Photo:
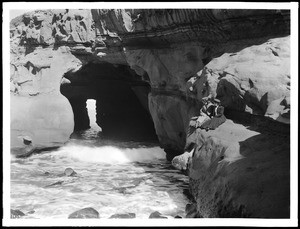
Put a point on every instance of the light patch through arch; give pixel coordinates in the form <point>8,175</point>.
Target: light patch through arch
<point>91,107</point>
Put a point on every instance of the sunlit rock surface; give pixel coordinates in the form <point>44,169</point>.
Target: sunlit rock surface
<point>237,171</point>
<point>38,109</point>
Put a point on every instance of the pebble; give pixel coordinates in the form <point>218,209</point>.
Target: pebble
<point>31,212</point>
<point>27,140</point>
<point>70,172</point>
<point>149,181</point>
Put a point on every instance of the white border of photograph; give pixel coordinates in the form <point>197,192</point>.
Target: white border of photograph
<point>29,6</point>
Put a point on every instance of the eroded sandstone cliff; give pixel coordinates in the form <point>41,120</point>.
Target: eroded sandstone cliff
<point>170,59</point>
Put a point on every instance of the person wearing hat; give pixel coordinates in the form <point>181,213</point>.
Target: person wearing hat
<point>217,116</point>
<point>219,109</point>
<point>205,112</point>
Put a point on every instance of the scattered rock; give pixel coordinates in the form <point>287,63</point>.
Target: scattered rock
<point>31,212</point>
<point>85,213</point>
<point>178,217</point>
<point>16,214</point>
<point>54,184</point>
<point>70,172</point>
<point>180,162</point>
<point>123,216</point>
<point>149,182</point>
<point>157,215</point>
<point>27,140</point>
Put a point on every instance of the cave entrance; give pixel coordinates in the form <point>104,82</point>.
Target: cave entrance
<point>113,97</point>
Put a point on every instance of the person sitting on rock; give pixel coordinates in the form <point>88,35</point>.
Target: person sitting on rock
<point>217,117</point>
<point>206,112</point>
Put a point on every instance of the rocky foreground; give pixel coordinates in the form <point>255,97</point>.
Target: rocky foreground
<point>168,60</point>
<point>239,171</point>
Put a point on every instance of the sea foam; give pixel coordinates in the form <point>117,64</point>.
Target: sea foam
<point>110,154</point>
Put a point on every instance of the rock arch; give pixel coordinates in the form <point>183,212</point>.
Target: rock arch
<point>121,100</point>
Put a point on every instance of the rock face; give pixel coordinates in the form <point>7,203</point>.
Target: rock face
<point>183,55</point>
<point>38,109</point>
<point>239,172</point>
<point>168,60</point>
<point>250,79</point>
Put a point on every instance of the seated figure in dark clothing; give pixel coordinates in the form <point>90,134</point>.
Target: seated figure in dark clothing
<point>217,116</point>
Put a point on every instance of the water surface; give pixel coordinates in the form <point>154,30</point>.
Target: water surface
<point>112,177</point>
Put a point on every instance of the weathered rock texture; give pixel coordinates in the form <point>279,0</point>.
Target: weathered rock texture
<point>170,59</point>
<point>239,172</point>
<point>182,54</point>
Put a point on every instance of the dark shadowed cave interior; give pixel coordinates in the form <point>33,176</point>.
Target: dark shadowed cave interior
<point>121,101</point>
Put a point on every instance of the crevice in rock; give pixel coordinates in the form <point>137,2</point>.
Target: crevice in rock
<point>81,118</point>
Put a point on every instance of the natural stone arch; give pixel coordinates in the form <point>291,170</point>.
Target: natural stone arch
<point>121,100</point>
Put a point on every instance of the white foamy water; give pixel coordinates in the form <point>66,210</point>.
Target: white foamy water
<point>110,154</point>
<point>114,178</point>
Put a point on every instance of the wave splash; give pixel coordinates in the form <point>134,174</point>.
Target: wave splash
<point>110,154</point>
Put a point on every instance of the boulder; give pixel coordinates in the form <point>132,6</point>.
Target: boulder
<point>123,216</point>
<point>27,140</point>
<point>16,213</point>
<point>157,215</point>
<point>181,162</point>
<point>85,213</point>
<point>69,172</point>
<point>252,77</point>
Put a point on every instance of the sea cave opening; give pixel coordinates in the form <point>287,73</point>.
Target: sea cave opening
<point>120,99</point>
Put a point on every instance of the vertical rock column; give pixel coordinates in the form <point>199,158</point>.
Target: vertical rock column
<point>81,118</point>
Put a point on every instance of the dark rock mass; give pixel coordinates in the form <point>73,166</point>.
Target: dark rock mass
<point>16,214</point>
